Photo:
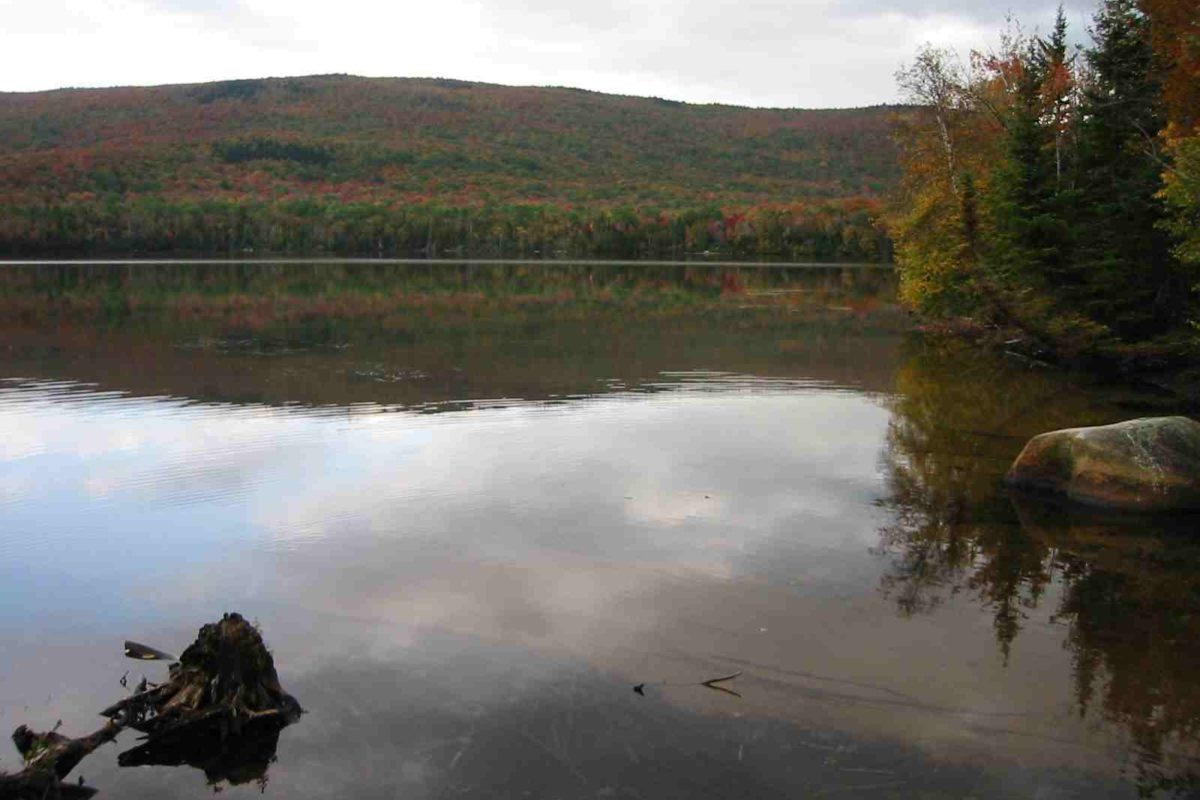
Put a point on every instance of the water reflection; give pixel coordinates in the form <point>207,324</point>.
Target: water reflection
<point>1126,589</point>
<point>232,761</point>
<point>437,336</point>
<point>472,507</point>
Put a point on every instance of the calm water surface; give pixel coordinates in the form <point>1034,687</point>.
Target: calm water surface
<point>472,506</point>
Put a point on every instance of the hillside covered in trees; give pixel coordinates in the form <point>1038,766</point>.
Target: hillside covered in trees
<point>433,167</point>
<point>1056,191</point>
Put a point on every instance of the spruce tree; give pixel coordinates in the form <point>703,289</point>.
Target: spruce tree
<point>1127,278</point>
<point>1030,247</point>
<point>1059,88</point>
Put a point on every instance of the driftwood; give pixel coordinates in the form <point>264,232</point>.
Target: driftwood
<point>49,758</point>
<point>220,710</point>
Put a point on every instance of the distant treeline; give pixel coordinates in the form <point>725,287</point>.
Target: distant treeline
<point>338,164</point>
<point>832,230</point>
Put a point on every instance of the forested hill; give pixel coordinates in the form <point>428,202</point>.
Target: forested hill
<point>346,164</point>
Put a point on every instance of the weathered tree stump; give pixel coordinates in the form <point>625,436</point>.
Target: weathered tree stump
<point>221,710</point>
<point>225,684</point>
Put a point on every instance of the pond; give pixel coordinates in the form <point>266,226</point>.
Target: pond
<point>473,505</point>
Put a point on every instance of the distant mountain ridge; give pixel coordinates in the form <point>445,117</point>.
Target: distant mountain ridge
<point>403,143</point>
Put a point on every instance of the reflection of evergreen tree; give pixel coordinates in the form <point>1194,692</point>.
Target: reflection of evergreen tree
<point>952,435</point>
<point>1132,606</point>
<point>1130,590</point>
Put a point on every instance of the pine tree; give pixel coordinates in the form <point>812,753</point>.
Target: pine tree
<point>1030,87</point>
<point>1127,277</point>
<point>1060,92</point>
<point>1030,243</point>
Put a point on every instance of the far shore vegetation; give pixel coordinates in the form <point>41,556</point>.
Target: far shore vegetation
<point>336,164</point>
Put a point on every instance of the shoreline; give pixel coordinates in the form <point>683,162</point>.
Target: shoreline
<point>1167,364</point>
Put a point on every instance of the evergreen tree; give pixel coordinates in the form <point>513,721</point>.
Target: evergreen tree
<point>1030,245</point>
<point>1060,90</point>
<point>1126,276</point>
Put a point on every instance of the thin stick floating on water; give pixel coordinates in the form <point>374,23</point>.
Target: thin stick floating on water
<point>711,683</point>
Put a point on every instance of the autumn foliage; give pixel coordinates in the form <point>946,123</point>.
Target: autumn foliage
<point>1056,190</point>
<point>433,167</point>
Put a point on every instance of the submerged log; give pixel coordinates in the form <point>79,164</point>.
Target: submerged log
<point>49,757</point>
<point>224,684</point>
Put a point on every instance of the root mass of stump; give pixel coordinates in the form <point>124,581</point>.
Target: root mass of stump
<point>225,684</point>
<point>221,710</point>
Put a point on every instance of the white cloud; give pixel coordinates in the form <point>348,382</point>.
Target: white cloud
<point>755,52</point>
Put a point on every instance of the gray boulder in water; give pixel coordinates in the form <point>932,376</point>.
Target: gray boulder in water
<point>1150,464</point>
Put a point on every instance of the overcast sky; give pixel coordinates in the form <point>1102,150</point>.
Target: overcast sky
<point>791,53</point>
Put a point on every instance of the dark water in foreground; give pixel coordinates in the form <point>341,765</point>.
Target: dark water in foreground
<point>472,506</point>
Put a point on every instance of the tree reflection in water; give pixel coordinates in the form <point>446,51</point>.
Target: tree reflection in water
<point>1127,588</point>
